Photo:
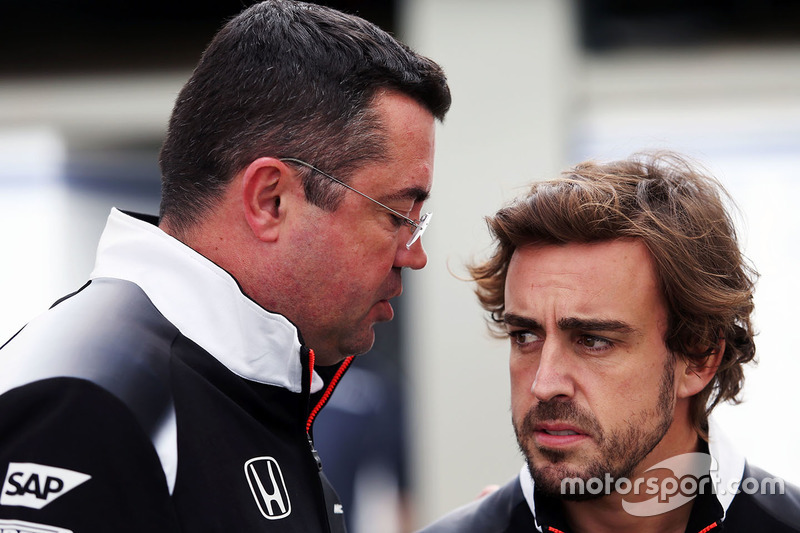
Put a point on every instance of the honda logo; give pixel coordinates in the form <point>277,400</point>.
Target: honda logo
<point>266,483</point>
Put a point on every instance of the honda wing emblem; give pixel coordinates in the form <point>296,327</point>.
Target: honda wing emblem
<point>269,490</point>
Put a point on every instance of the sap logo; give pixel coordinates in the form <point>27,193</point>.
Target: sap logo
<point>34,486</point>
<point>266,483</point>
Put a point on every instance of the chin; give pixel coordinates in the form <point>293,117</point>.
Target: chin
<point>549,480</point>
<point>358,345</point>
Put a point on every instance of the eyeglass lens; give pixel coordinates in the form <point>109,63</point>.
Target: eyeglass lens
<point>421,226</point>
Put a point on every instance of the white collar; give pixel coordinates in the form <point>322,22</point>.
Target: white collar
<point>729,463</point>
<point>727,470</point>
<point>203,301</point>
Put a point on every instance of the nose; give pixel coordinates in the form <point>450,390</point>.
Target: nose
<point>414,258</point>
<point>554,375</point>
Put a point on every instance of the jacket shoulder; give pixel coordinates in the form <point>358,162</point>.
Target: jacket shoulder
<point>110,334</point>
<point>764,503</point>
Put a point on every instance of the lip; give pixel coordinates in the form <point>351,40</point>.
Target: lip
<point>396,291</point>
<point>387,299</point>
<point>394,294</point>
<point>545,437</point>
<point>386,305</point>
<point>386,312</point>
<point>391,295</point>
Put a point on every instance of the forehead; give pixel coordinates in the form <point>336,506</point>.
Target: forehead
<point>407,170</point>
<point>610,279</point>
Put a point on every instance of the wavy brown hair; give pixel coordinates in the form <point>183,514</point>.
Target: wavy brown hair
<point>680,214</point>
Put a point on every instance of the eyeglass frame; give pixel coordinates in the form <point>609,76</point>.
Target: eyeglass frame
<point>419,225</point>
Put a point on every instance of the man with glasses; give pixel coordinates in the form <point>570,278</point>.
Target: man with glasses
<point>178,388</point>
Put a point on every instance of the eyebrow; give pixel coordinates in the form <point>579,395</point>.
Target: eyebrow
<point>586,324</point>
<point>595,325</point>
<point>510,319</point>
<point>418,194</point>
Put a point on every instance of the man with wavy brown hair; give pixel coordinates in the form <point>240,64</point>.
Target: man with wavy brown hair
<point>627,302</point>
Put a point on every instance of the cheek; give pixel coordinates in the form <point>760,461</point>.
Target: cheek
<point>616,396</point>
<point>370,251</point>
<point>522,374</point>
<point>519,368</point>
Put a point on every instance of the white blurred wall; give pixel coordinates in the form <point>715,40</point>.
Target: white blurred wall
<point>49,227</point>
<point>510,64</point>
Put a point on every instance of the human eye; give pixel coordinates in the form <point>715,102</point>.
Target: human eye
<point>523,338</point>
<point>397,220</point>
<point>593,343</point>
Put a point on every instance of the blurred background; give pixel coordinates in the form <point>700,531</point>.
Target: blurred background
<point>422,423</point>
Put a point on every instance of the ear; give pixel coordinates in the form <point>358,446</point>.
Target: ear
<point>693,377</point>
<point>264,182</point>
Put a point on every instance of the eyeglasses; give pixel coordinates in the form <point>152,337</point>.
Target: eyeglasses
<point>419,225</point>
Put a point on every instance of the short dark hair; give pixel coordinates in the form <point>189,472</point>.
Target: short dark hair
<point>287,79</point>
<point>679,214</point>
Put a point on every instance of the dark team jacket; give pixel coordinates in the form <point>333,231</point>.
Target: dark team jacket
<point>763,504</point>
<point>160,398</point>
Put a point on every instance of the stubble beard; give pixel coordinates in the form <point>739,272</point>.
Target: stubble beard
<point>619,451</point>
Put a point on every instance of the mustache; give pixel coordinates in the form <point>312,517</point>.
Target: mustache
<point>561,411</point>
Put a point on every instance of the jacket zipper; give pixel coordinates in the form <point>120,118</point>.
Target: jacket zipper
<point>329,390</point>
<point>310,421</point>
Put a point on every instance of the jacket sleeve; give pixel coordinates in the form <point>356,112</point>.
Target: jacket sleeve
<point>75,459</point>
